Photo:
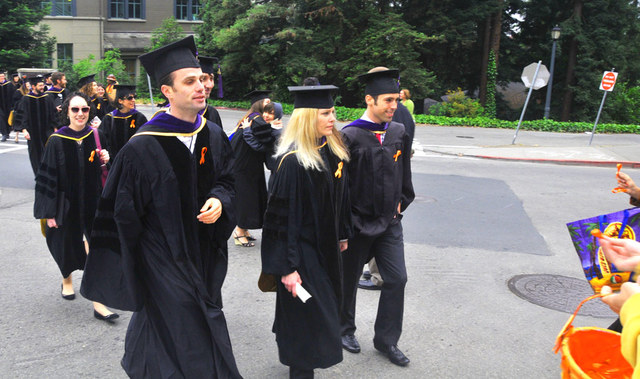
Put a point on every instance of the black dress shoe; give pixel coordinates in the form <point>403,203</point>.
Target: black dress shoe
<point>368,285</point>
<point>67,297</point>
<point>350,343</point>
<point>393,353</point>
<point>107,318</point>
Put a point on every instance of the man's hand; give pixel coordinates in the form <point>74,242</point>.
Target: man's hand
<point>211,211</point>
<point>344,245</point>
<point>27,136</point>
<point>51,222</point>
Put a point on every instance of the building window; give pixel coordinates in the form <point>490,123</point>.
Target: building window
<point>60,7</point>
<point>65,54</point>
<point>188,10</point>
<point>126,9</point>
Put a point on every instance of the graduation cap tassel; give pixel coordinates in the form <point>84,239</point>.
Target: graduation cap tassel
<point>220,93</point>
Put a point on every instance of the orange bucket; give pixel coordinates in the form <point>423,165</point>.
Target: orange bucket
<point>591,352</point>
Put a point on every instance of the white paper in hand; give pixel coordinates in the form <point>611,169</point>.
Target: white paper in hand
<point>302,293</point>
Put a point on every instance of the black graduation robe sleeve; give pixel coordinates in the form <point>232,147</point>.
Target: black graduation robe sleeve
<point>110,274</point>
<point>283,219</point>
<point>50,201</point>
<point>224,188</point>
<point>408,193</point>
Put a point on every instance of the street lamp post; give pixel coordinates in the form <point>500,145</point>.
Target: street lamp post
<point>555,35</point>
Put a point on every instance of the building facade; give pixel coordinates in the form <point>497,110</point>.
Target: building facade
<point>91,27</point>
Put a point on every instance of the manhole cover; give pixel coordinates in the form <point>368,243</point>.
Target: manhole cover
<point>560,293</point>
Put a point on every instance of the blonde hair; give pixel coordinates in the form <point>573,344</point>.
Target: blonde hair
<point>407,94</point>
<point>301,135</point>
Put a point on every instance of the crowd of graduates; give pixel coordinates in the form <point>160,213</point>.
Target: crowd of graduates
<point>145,208</point>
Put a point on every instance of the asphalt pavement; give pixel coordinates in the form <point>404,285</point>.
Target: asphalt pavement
<point>467,326</point>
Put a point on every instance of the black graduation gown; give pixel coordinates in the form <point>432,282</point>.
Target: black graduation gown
<point>212,114</point>
<point>248,173</point>
<point>6,96</point>
<point>382,172</point>
<point>37,114</point>
<point>68,186</point>
<point>306,216</point>
<point>118,128</point>
<point>150,255</point>
<point>102,106</point>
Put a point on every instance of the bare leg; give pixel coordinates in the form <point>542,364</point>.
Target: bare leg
<point>240,235</point>
<point>67,286</point>
<point>98,307</point>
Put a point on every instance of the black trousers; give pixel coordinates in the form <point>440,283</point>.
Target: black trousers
<point>388,250</point>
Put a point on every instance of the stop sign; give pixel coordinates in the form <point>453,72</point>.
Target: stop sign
<point>608,80</point>
<point>541,79</point>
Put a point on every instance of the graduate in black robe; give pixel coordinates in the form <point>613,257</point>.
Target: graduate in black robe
<point>250,140</point>
<point>37,118</point>
<point>119,125</point>
<point>381,189</point>
<point>6,96</point>
<point>306,227</point>
<point>158,246</point>
<point>58,92</point>
<point>68,185</point>
<point>209,72</point>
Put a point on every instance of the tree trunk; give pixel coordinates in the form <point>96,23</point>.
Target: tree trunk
<point>492,33</point>
<point>496,31</point>
<point>571,65</point>
<point>482,95</point>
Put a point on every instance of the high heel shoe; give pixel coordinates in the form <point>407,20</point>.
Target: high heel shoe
<point>108,318</point>
<point>249,237</point>
<point>236,240</point>
<point>67,297</point>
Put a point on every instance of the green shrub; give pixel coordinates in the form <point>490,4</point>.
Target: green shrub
<point>458,105</point>
<point>349,114</point>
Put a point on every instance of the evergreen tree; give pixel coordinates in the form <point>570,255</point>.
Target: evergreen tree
<point>24,41</point>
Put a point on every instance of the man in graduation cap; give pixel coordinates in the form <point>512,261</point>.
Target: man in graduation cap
<point>6,96</point>
<point>159,243</point>
<point>209,71</point>
<point>381,189</point>
<point>36,117</point>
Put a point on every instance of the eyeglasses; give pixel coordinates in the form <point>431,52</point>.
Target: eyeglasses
<point>131,97</point>
<point>78,109</point>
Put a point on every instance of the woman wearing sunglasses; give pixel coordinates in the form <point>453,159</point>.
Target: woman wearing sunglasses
<point>68,185</point>
<point>121,124</point>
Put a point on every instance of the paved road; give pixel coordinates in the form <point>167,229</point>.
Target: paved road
<point>475,224</point>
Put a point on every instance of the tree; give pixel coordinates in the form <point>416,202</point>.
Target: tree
<point>24,43</point>
<point>275,44</point>
<point>169,31</point>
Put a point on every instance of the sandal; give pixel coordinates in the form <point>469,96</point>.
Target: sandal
<point>236,240</point>
<point>249,237</point>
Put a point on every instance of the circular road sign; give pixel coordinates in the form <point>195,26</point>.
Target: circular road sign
<point>529,72</point>
<point>608,80</point>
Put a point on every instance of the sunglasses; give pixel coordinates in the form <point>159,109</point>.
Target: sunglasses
<point>130,97</point>
<point>78,109</point>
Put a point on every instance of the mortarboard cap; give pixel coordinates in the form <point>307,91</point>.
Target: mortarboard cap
<point>379,82</point>
<point>313,96</point>
<point>86,80</point>
<point>169,58</point>
<point>123,90</point>
<point>257,95</point>
<point>208,64</point>
<point>36,79</point>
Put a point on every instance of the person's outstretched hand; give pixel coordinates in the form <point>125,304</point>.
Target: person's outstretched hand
<point>623,253</point>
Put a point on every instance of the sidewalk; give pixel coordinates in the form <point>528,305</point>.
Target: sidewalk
<point>540,147</point>
<point>487,143</point>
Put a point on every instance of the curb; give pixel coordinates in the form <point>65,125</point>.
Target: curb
<point>568,162</point>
